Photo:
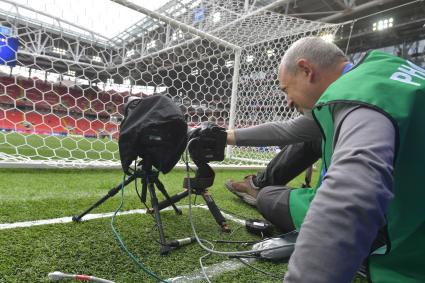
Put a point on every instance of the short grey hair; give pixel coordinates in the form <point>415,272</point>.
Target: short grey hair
<point>316,50</point>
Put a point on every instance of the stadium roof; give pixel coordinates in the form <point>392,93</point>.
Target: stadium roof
<point>105,19</point>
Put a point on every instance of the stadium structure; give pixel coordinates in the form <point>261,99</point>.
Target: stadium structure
<point>216,59</point>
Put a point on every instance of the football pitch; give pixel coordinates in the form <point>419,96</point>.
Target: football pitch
<point>29,252</point>
<point>58,147</point>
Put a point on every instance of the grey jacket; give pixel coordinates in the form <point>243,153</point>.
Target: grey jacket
<point>349,206</point>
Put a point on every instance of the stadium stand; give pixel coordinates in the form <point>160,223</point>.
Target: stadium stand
<point>32,105</point>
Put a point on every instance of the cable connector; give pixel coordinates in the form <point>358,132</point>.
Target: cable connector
<point>259,227</point>
<point>279,248</point>
<point>57,276</point>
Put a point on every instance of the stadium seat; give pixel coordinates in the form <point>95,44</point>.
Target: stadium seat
<point>7,80</point>
<point>34,118</point>
<point>34,94</point>
<point>51,97</point>
<point>83,124</point>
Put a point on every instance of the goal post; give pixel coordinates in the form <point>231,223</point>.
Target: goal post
<point>63,89</point>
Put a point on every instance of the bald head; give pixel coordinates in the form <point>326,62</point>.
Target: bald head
<point>308,67</point>
<point>323,54</point>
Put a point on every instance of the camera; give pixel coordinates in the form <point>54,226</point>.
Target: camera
<point>207,142</point>
<point>153,129</point>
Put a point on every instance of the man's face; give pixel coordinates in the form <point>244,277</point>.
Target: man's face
<point>294,87</point>
<point>299,89</point>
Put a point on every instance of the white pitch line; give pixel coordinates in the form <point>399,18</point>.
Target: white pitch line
<point>211,271</point>
<point>87,217</point>
<point>67,219</point>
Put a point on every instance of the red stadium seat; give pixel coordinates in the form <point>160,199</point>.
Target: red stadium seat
<point>34,118</point>
<point>83,124</point>
<point>7,80</point>
<point>34,94</point>
<point>51,97</point>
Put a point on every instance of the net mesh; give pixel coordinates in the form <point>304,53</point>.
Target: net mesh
<point>62,101</point>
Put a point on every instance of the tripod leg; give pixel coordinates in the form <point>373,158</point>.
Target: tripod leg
<point>154,202</point>
<point>144,191</point>
<point>162,189</point>
<point>215,211</point>
<point>111,193</point>
<point>173,199</point>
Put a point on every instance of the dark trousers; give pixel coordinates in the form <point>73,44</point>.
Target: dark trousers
<point>273,197</point>
<point>291,161</point>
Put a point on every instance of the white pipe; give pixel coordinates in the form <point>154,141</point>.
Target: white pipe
<point>234,97</point>
<point>239,19</point>
<point>61,60</point>
<point>173,22</point>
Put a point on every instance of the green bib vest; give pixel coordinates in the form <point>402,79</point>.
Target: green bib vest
<point>396,88</point>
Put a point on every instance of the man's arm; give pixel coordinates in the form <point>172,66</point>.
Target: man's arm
<point>302,128</point>
<point>348,209</point>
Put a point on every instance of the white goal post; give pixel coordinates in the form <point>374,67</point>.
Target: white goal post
<point>63,88</point>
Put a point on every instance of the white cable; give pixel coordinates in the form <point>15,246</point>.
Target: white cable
<point>202,265</point>
<point>193,225</point>
<point>57,276</point>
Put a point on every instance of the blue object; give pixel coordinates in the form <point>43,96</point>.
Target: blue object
<point>8,49</point>
<point>5,31</point>
<point>347,67</point>
<point>198,15</point>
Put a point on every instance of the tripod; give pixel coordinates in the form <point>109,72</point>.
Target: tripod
<point>150,181</point>
<point>204,178</point>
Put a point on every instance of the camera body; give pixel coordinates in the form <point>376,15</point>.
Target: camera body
<point>153,129</point>
<point>207,143</point>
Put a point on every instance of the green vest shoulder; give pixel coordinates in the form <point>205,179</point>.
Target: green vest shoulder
<point>396,88</point>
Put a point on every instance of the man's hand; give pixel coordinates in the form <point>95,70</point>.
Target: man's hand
<point>231,139</point>
<point>207,130</point>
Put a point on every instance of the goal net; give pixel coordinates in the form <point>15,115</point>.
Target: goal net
<point>63,86</point>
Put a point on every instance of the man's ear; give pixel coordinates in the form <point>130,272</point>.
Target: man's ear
<point>306,68</point>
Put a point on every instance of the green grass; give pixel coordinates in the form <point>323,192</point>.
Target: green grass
<point>90,247</point>
<point>43,147</point>
<point>58,147</point>
<point>28,254</point>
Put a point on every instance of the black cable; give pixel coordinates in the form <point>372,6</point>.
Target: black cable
<point>137,191</point>
<point>195,234</point>
<point>154,227</point>
<point>260,270</point>
<point>135,182</point>
<point>236,242</point>
<point>234,214</point>
<point>245,256</point>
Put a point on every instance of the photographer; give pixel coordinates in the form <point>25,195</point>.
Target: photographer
<point>267,190</point>
<point>368,206</point>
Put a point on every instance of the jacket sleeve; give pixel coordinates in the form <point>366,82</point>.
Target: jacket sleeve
<point>349,207</point>
<point>300,129</point>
